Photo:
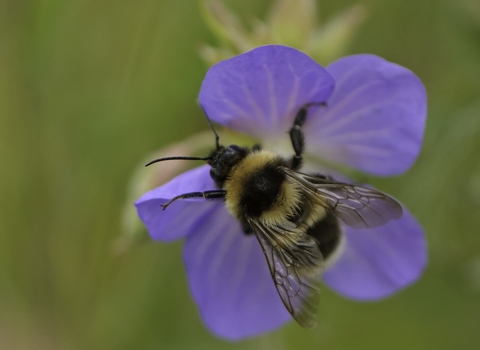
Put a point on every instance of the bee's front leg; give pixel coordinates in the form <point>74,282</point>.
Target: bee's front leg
<point>296,134</point>
<point>214,194</point>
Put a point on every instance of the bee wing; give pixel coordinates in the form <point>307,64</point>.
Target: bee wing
<point>358,207</point>
<point>296,264</point>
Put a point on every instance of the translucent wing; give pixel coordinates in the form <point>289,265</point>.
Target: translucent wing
<point>296,264</point>
<point>358,207</point>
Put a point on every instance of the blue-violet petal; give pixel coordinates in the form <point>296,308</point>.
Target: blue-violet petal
<point>260,92</point>
<point>182,216</point>
<point>230,280</point>
<point>379,261</point>
<point>375,118</point>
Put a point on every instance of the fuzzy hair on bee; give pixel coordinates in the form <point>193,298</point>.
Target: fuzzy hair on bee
<point>296,217</point>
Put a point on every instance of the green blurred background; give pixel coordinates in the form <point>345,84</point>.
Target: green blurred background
<point>89,88</point>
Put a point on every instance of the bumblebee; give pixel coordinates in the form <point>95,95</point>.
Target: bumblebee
<point>295,216</point>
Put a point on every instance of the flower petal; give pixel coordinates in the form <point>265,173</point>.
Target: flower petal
<point>378,262</point>
<point>259,92</point>
<point>375,118</point>
<point>229,279</point>
<point>182,216</point>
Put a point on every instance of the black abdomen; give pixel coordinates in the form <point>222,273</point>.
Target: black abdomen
<point>327,234</point>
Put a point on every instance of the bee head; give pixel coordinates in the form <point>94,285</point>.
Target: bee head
<point>223,159</point>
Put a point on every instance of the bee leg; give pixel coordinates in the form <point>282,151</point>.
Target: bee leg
<point>214,194</point>
<point>247,229</point>
<point>325,177</point>
<point>296,134</point>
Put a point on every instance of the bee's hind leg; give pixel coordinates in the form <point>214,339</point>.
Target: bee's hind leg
<point>247,229</point>
<point>296,134</point>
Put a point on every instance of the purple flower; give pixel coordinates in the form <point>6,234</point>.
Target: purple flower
<point>374,122</point>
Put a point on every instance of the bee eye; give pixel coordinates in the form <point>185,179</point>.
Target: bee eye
<point>235,147</point>
<point>213,174</point>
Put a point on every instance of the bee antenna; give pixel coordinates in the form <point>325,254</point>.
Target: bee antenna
<point>217,138</point>
<point>177,158</point>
